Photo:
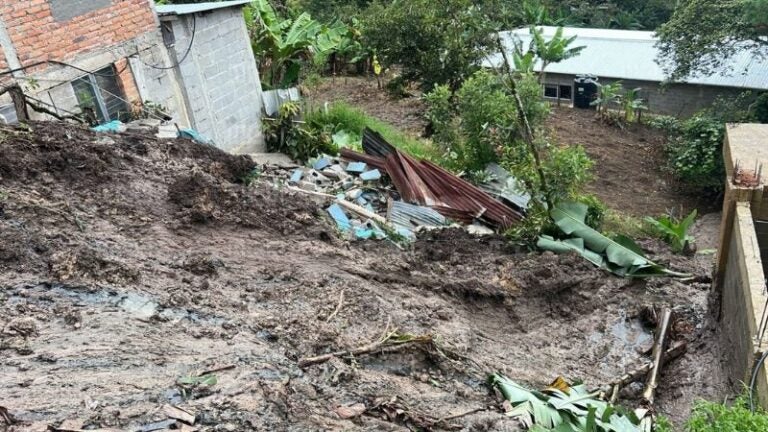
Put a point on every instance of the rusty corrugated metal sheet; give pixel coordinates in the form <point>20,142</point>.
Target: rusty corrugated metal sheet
<point>426,184</point>
<point>373,161</point>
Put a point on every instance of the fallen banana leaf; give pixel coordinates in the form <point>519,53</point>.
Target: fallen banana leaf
<point>619,255</point>
<point>554,410</point>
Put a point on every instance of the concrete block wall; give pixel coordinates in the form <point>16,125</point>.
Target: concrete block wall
<point>220,78</point>
<point>680,100</point>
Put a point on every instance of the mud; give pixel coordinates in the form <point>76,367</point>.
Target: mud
<point>129,263</point>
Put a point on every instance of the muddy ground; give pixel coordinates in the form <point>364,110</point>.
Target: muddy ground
<point>128,264</point>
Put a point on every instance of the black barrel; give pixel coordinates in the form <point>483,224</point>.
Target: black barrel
<point>586,91</point>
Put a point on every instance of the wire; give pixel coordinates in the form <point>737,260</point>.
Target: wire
<point>189,49</point>
<point>753,381</point>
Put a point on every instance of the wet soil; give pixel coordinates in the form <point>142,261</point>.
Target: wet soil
<point>129,263</point>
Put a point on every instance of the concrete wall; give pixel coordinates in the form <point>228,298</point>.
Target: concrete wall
<point>739,278</point>
<point>220,79</point>
<point>680,100</point>
<point>743,298</point>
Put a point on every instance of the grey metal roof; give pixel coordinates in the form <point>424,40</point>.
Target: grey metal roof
<point>626,54</point>
<point>190,8</point>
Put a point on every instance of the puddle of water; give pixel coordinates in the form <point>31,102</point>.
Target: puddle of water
<point>625,339</point>
<point>137,305</point>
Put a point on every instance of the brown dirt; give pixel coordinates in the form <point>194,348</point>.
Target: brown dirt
<point>127,263</point>
<point>405,113</point>
<point>629,165</point>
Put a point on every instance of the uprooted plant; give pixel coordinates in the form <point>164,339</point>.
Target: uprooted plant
<point>675,230</point>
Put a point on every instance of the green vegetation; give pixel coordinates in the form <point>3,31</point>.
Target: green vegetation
<point>286,134</point>
<point>715,417</point>
<point>674,230</point>
<point>431,42</point>
<point>703,35</point>
<point>284,45</point>
<point>562,407</point>
<point>341,117</point>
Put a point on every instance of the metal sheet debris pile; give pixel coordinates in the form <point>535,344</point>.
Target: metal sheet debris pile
<point>384,192</point>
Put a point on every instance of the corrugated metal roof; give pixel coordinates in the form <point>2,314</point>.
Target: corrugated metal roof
<point>625,54</point>
<point>190,8</point>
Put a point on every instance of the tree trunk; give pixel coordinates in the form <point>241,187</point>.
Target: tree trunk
<point>20,103</point>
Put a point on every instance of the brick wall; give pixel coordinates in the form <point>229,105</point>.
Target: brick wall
<point>38,36</point>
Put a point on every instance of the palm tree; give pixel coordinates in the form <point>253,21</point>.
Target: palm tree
<point>553,50</point>
<point>625,21</point>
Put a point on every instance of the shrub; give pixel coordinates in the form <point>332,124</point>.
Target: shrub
<point>478,123</point>
<point>284,135</point>
<point>714,417</point>
<point>341,117</point>
<point>695,154</point>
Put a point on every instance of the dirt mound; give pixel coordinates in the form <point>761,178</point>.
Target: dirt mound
<point>130,266</point>
<point>203,198</point>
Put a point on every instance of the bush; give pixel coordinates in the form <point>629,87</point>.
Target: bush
<point>695,154</point>
<point>300,142</point>
<point>434,42</point>
<point>713,417</point>
<point>341,117</point>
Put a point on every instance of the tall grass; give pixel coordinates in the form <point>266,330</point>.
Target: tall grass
<point>341,116</point>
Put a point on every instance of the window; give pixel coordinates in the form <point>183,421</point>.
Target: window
<point>565,92</point>
<point>550,91</point>
<point>101,93</point>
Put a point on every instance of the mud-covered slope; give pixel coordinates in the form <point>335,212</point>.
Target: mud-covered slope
<point>128,263</point>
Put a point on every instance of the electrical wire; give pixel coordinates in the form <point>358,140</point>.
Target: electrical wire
<point>186,53</point>
<point>753,381</point>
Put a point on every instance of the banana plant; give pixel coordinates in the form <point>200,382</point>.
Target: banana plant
<point>674,230</point>
<point>554,50</point>
<point>633,104</point>
<point>282,46</point>
<point>563,407</point>
<point>609,94</point>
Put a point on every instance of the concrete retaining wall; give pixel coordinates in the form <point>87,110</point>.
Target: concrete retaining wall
<point>740,279</point>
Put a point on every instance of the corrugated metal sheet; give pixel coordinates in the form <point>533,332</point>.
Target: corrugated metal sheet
<point>189,8</point>
<point>412,216</point>
<point>624,54</point>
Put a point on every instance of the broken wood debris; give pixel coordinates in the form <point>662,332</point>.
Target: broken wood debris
<point>392,341</point>
<point>659,348</point>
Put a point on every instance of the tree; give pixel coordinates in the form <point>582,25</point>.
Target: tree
<point>703,35</point>
<point>434,42</point>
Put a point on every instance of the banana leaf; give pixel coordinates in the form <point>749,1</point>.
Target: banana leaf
<point>620,255</point>
<point>554,410</point>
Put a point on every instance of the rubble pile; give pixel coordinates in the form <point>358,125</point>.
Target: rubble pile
<point>384,192</point>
